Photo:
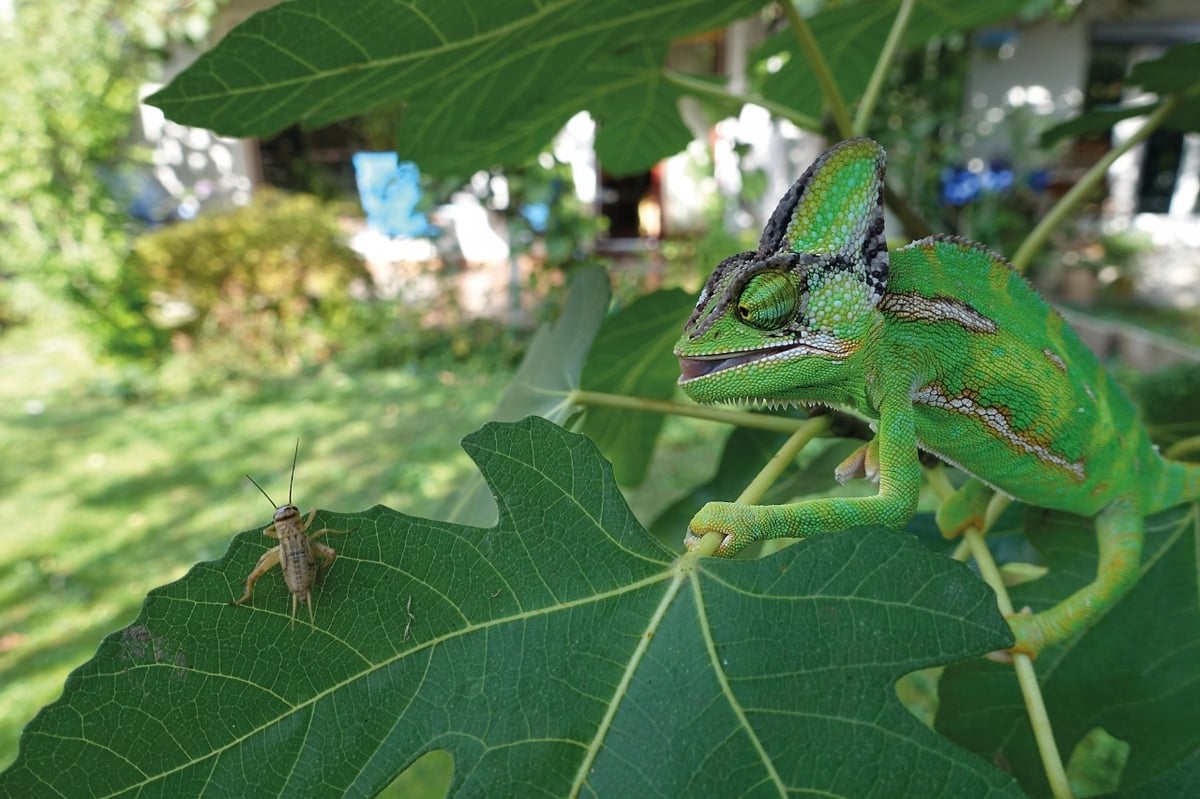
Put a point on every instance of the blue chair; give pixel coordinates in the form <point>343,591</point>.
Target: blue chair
<point>390,190</point>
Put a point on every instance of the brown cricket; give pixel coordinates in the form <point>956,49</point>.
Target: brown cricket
<point>297,551</point>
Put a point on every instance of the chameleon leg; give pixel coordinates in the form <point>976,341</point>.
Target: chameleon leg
<point>1119,535</point>
<point>268,561</point>
<point>966,508</point>
<point>893,506</point>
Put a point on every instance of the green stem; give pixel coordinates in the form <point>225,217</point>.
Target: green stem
<point>763,481</point>
<point>939,482</point>
<point>816,60</point>
<point>1181,449</point>
<point>758,421</point>
<point>1067,203</point>
<point>866,106</point>
<point>720,93</point>
<point>1035,706</point>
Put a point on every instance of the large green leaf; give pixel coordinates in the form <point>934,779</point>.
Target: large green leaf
<point>1179,781</point>
<point>559,653</point>
<point>850,36</point>
<point>1098,120</point>
<point>1177,71</point>
<point>1136,680</point>
<point>478,83</point>
<point>632,356</point>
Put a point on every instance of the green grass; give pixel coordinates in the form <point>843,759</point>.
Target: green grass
<point>104,500</point>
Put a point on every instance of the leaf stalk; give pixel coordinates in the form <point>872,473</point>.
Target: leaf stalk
<point>721,94</point>
<point>866,106</point>
<point>816,60</point>
<point>1067,203</point>
<point>757,421</point>
<point>1035,705</point>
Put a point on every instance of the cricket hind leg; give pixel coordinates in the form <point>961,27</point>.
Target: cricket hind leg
<point>268,561</point>
<point>1119,533</point>
<point>313,536</point>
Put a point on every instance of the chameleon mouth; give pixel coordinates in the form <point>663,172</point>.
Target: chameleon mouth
<point>695,367</point>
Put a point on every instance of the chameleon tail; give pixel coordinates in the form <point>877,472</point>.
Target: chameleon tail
<point>1119,533</point>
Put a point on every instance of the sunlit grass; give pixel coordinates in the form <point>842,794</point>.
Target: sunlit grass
<point>104,500</point>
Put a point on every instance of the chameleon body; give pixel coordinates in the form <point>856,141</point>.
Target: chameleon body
<point>943,347</point>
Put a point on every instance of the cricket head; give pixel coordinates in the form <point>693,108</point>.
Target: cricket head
<point>778,323</point>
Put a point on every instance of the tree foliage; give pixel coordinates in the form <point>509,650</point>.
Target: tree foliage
<point>73,70</point>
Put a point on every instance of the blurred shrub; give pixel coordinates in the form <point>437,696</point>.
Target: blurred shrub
<point>266,290</point>
<point>267,285</point>
<point>402,340</point>
<point>72,71</point>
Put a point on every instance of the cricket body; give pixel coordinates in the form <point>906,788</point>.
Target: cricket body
<point>297,551</point>
<point>944,348</point>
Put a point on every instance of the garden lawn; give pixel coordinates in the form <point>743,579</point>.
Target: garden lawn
<point>103,500</point>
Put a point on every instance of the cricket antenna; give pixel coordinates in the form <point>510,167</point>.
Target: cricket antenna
<point>295,455</point>
<point>264,492</point>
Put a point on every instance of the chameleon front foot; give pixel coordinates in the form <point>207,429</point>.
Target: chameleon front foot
<point>735,523</point>
<point>692,541</point>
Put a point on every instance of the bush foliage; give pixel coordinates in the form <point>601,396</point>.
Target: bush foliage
<point>272,279</point>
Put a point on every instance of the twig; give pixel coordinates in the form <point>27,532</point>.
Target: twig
<point>1035,706</point>
<point>758,421</point>
<point>1067,203</point>
<point>866,106</point>
<point>816,60</point>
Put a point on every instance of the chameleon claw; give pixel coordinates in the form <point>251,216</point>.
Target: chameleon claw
<point>863,462</point>
<point>1030,639</point>
<point>693,541</point>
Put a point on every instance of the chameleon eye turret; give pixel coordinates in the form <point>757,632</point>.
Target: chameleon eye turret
<point>943,348</point>
<point>769,301</point>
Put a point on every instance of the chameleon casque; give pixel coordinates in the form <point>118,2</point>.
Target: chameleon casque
<point>943,347</point>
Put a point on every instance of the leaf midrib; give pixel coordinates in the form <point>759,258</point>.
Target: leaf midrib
<point>667,573</point>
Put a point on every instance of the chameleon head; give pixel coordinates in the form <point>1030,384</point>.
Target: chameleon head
<point>793,313</point>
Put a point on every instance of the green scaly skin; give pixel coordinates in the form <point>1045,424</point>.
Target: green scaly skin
<point>944,348</point>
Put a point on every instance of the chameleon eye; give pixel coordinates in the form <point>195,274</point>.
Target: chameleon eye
<point>768,301</point>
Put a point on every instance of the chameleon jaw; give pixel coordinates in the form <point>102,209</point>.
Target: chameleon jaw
<point>694,367</point>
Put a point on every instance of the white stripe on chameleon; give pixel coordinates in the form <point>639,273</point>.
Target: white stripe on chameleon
<point>1058,362</point>
<point>936,309</point>
<point>998,423</point>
